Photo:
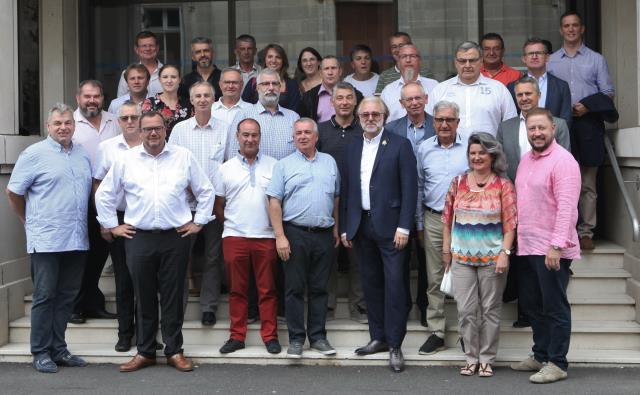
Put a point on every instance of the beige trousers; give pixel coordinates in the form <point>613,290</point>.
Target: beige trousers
<point>587,202</point>
<point>478,292</point>
<point>435,271</point>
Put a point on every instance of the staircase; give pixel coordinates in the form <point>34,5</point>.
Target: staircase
<point>604,329</point>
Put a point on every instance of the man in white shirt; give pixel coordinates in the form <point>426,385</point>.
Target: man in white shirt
<point>93,125</point>
<point>156,180</point>
<point>206,138</point>
<point>230,103</point>
<point>363,79</point>
<point>108,152</point>
<point>248,239</point>
<point>483,102</point>
<point>146,47</point>
<point>409,65</point>
<point>136,76</point>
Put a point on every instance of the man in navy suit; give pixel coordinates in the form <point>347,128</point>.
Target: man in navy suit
<point>555,95</point>
<point>377,207</point>
<point>417,126</point>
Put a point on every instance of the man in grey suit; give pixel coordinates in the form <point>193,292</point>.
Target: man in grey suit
<point>416,126</point>
<point>512,134</point>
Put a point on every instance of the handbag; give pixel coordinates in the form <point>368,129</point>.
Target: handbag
<point>446,286</point>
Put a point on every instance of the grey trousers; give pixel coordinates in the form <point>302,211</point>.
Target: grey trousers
<point>433,247</point>
<point>588,200</point>
<point>478,292</point>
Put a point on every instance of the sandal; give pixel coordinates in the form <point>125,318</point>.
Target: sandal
<point>485,370</point>
<point>469,369</point>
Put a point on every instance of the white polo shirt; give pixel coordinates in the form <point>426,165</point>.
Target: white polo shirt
<point>89,137</point>
<point>483,104</point>
<point>391,95</point>
<point>243,187</point>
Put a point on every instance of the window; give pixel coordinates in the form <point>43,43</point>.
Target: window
<point>28,68</point>
<point>165,23</point>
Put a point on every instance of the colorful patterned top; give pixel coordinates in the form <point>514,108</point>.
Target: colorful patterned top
<point>482,217</point>
<point>183,111</point>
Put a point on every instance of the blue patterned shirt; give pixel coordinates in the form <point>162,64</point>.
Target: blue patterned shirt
<point>56,185</point>
<point>306,188</point>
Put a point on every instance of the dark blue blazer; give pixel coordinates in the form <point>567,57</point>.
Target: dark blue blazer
<point>393,188</point>
<point>558,97</point>
<point>400,125</point>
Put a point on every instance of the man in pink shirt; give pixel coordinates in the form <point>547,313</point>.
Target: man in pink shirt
<point>548,188</point>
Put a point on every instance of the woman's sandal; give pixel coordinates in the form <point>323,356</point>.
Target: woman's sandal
<point>485,370</point>
<point>469,369</point>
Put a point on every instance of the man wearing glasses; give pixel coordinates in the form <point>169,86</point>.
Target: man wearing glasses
<point>483,102</point>
<point>555,95</point>
<point>440,159</point>
<point>230,103</point>
<point>146,47</point>
<point>377,205</point>
<point>156,180</point>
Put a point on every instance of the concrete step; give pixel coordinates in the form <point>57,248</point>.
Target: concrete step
<point>623,335</point>
<point>208,354</point>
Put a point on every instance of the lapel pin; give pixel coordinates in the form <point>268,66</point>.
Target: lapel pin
<point>384,142</point>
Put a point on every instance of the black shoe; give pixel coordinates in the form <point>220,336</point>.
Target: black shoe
<point>251,318</point>
<point>273,346</point>
<point>432,345</point>
<point>208,318</point>
<point>396,360</point>
<point>77,318</point>
<point>521,324</point>
<point>373,347</point>
<point>231,345</point>
<point>101,314</point>
<point>123,344</point>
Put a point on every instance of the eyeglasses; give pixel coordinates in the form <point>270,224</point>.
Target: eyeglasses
<point>366,115</point>
<point>412,98</point>
<point>147,46</point>
<point>449,121</point>
<point>535,54</point>
<point>126,118</point>
<point>269,83</point>
<point>232,82</point>
<point>409,56</point>
<point>396,46</point>
<point>467,61</point>
<point>151,129</point>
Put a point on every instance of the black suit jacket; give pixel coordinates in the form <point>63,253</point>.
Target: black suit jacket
<point>308,106</point>
<point>558,97</point>
<point>393,189</point>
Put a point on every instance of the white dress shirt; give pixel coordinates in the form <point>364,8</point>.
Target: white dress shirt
<point>227,114</point>
<point>156,190</point>
<point>153,87</point>
<point>369,151</point>
<point>392,92</point>
<point>89,137</point>
<point>244,189</point>
<point>483,104</point>
<point>108,152</point>
<point>523,140</point>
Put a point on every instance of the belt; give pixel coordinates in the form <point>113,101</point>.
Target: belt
<point>310,229</point>
<point>155,230</point>
<point>429,209</point>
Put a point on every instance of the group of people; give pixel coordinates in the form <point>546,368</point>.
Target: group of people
<point>474,173</point>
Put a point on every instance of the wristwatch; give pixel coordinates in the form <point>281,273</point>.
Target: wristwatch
<point>506,251</point>
<point>556,248</point>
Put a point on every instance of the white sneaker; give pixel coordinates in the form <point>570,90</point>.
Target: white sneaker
<point>550,373</point>
<point>528,365</point>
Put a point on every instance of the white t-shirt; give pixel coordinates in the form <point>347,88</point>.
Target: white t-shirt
<point>367,88</point>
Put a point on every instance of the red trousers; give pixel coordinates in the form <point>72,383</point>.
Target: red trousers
<point>240,254</point>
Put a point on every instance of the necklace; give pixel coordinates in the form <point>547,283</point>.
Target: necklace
<point>483,183</point>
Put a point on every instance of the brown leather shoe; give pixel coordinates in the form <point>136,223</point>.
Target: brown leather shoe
<point>179,362</point>
<point>138,362</point>
<point>586,243</point>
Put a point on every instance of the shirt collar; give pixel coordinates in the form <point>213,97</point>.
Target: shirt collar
<point>337,126</point>
<point>195,126</point>
<point>375,140</point>
<point>56,145</point>
<point>522,118</point>
<point>581,50</point>
<point>298,152</point>
<point>243,159</point>
<point>435,142</point>
<point>537,155</point>
<point>323,90</point>
<point>168,149</point>
<point>262,110</point>
<point>254,67</point>
<point>543,77</point>
<point>218,105</point>
<point>502,69</point>
<point>482,80</point>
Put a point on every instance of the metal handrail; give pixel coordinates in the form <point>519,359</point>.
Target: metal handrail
<point>623,189</point>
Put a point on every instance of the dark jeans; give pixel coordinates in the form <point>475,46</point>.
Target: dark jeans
<point>158,264</point>
<point>309,266</point>
<point>56,281</point>
<point>90,298</point>
<point>545,302</point>
<point>125,304</point>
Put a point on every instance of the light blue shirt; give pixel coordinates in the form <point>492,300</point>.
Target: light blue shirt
<point>542,84</point>
<point>437,166</point>
<point>276,131</point>
<point>306,188</point>
<point>56,185</point>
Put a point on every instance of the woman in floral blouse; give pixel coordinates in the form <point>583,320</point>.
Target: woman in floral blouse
<point>167,102</point>
<point>479,219</point>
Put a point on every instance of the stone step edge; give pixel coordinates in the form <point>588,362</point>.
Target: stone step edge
<point>257,355</point>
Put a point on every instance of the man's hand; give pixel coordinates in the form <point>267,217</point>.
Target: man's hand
<point>336,238</point>
<point>106,234</point>
<point>124,230</point>
<point>503,263</point>
<point>189,229</point>
<point>283,247</point>
<point>579,110</point>
<point>400,240</point>
<point>346,243</point>
<point>552,259</point>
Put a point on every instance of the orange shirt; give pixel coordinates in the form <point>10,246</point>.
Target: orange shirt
<point>505,75</point>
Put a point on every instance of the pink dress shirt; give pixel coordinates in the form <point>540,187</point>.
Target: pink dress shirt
<point>548,188</point>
